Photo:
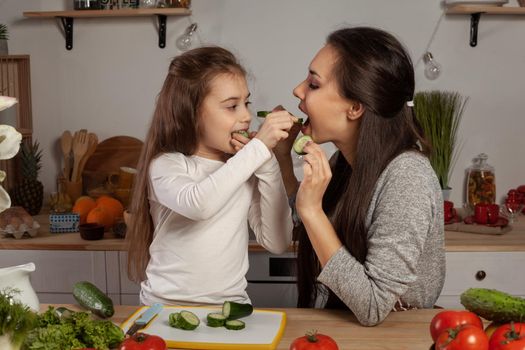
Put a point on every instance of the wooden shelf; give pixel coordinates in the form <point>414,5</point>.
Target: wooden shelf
<point>110,13</point>
<point>486,10</point>
<point>475,12</point>
<point>67,17</point>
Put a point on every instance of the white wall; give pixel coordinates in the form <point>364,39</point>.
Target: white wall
<point>109,81</point>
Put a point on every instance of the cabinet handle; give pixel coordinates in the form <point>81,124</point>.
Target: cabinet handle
<point>480,275</point>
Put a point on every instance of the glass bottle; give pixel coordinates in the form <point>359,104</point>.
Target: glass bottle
<point>481,182</point>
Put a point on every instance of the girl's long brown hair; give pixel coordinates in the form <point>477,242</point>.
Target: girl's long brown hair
<point>374,69</point>
<point>174,128</point>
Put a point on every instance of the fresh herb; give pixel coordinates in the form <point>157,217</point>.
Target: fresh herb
<point>439,114</point>
<point>16,319</point>
<point>4,34</point>
<point>65,329</point>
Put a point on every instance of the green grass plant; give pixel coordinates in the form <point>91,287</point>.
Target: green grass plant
<point>440,113</point>
<point>4,34</point>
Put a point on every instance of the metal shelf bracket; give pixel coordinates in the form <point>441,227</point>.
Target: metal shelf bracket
<point>162,30</point>
<point>67,23</point>
<point>474,23</point>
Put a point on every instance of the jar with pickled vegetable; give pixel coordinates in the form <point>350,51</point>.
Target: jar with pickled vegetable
<point>481,182</point>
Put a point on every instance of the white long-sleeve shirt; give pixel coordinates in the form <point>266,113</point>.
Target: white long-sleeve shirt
<point>200,207</point>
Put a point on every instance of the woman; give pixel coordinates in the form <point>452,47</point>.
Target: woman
<point>371,226</point>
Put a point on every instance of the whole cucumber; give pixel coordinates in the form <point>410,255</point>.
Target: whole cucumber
<point>494,305</point>
<point>93,299</point>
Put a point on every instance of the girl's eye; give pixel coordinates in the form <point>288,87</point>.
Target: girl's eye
<point>247,103</point>
<point>232,107</point>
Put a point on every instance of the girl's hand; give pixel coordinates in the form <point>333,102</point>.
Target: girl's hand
<point>238,141</point>
<point>275,128</point>
<point>317,175</point>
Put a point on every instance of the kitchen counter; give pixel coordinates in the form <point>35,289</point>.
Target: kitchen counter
<point>513,241</point>
<point>401,330</point>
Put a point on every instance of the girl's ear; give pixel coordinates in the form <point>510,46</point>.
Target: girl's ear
<point>355,110</point>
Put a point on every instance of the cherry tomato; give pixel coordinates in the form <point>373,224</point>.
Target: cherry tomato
<point>314,341</point>
<point>462,338</point>
<point>451,319</point>
<point>143,341</point>
<point>508,337</point>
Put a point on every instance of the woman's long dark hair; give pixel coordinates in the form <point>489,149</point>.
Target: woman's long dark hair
<point>374,69</point>
<point>174,128</point>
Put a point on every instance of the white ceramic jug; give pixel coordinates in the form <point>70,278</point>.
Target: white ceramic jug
<point>17,277</point>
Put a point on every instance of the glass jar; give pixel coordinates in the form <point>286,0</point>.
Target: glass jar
<point>481,182</point>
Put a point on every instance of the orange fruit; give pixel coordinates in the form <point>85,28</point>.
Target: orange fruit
<point>114,206</point>
<point>83,205</point>
<point>101,216</point>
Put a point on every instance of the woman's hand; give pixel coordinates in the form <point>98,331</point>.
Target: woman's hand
<point>317,175</point>
<point>275,128</point>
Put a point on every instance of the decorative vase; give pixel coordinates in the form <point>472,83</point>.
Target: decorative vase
<point>3,47</point>
<point>17,278</point>
<point>446,193</point>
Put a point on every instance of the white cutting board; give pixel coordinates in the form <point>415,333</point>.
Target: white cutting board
<point>264,329</point>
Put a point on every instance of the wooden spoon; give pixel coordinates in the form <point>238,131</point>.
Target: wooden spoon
<point>66,143</point>
<point>92,146</point>
<point>80,147</point>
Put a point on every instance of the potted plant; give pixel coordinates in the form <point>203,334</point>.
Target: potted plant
<point>4,35</point>
<point>439,113</point>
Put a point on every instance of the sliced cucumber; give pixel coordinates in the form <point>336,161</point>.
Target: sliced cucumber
<point>185,320</point>
<point>173,319</point>
<point>298,145</point>
<point>299,120</point>
<point>215,319</point>
<point>234,325</point>
<point>232,310</point>
<point>243,133</point>
<point>263,114</point>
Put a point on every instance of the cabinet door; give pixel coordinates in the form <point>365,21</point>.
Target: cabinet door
<point>493,270</point>
<point>57,271</point>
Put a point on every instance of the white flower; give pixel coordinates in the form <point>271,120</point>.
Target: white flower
<point>6,102</point>
<point>9,145</point>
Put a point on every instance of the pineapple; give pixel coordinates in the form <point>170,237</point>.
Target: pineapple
<point>29,192</point>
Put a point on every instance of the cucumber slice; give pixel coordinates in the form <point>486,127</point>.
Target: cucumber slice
<point>173,319</point>
<point>185,320</point>
<point>234,325</point>
<point>263,114</point>
<point>232,310</point>
<point>243,133</point>
<point>299,121</point>
<point>299,144</point>
<point>215,319</point>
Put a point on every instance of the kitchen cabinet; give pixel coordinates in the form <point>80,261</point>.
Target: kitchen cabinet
<point>473,260</point>
<point>67,18</point>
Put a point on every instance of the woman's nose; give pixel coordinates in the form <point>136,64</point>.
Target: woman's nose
<point>299,90</point>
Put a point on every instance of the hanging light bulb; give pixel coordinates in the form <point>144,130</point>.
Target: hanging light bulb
<point>432,68</point>
<point>183,42</point>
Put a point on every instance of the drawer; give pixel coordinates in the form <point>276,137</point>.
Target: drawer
<point>494,270</point>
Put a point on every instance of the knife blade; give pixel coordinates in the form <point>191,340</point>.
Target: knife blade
<point>144,318</point>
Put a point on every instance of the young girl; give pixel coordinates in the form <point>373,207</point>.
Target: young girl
<point>372,218</point>
<point>200,182</point>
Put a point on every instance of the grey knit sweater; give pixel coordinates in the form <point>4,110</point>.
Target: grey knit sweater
<point>406,255</point>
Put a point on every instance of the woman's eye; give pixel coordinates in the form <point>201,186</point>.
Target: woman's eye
<point>312,86</point>
<point>247,103</point>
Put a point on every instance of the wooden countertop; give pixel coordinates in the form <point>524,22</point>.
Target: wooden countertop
<point>401,330</point>
<point>513,241</point>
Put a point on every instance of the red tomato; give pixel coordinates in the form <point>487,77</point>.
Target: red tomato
<point>142,341</point>
<point>314,341</point>
<point>463,338</point>
<point>508,337</point>
<point>451,319</point>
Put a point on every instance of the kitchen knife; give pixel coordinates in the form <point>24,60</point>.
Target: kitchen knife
<point>144,319</point>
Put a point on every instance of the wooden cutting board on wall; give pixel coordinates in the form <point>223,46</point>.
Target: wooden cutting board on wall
<point>109,156</point>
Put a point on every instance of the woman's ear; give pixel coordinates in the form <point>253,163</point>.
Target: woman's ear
<point>355,110</point>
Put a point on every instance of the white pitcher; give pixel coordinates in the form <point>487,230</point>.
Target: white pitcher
<point>17,277</point>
